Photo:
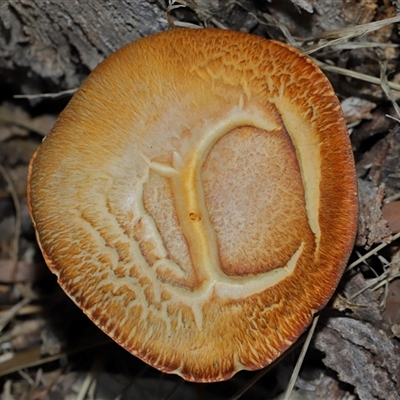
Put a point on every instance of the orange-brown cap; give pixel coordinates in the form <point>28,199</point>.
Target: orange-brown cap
<point>197,199</point>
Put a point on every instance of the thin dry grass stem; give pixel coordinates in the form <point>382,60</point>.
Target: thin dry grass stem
<point>368,265</point>
<point>360,29</point>
<point>173,5</point>
<point>300,359</point>
<point>392,198</point>
<point>382,280</point>
<point>391,272</point>
<point>356,75</point>
<point>363,45</point>
<point>45,95</point>
<point>383,260</point>
<point>18,218</point>
<point>36,384</point>
<point>334,37</point>
<point>25,376</point>
<point>204,15</point>
<point>180,24</point>
<point>85,386</point>
<point>12,312</point>
<point>271,21</point>
<point>23,311</point>
<point>217,23</point>
<point>391,117</point>
<point>386,88</point>
<point>89,383</point>
<point>372,252</point>
<point>382,304</point>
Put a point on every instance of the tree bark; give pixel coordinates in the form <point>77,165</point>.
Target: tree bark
<point>62,41</point>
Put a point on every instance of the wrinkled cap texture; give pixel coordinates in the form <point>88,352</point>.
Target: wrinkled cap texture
<point>197,199</point>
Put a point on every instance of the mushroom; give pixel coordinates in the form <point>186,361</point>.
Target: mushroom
<point>197,199</point>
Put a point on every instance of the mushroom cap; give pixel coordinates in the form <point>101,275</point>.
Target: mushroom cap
<point>197,199</point>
